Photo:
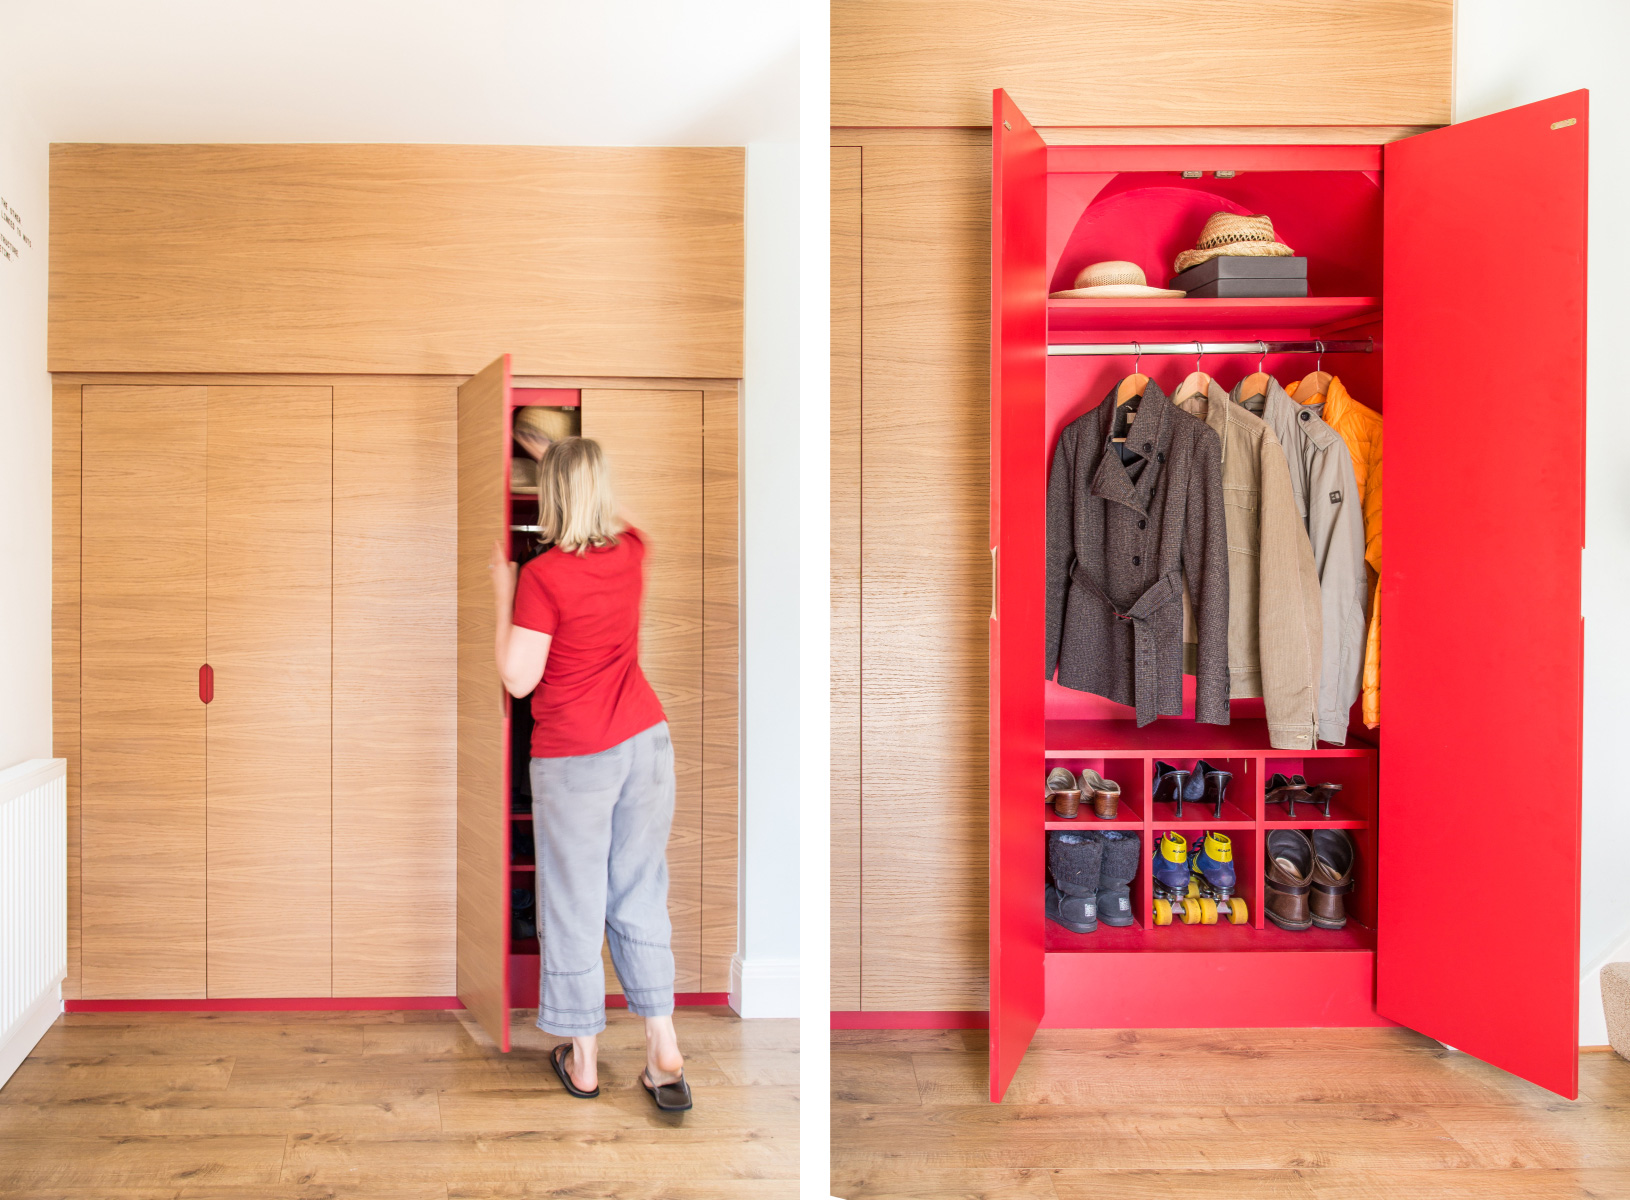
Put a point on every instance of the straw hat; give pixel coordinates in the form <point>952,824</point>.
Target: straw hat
<point>544,424</point>
<point>1236,235</point>
<point>1114,279</point>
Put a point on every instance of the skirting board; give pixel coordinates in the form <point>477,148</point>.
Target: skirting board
<point>764,987</point>
<point>28,1031</point>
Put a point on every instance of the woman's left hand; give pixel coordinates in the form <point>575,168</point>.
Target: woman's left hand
<point>503,574</point>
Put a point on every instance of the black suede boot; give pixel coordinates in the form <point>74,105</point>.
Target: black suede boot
<point>1121,853</point>
<point>1074,860</point>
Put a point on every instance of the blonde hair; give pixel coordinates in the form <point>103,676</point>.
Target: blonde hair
<point>575,505</point>
<point>543,424</point>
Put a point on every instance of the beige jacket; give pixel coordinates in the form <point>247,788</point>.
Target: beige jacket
<point>1275,631</point>
<point>1328,499</point>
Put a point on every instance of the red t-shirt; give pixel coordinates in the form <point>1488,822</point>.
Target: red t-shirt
<point>593,694</point>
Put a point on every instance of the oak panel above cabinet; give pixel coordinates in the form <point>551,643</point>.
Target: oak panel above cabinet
<point>1143,62</point>
<point>397,259</point>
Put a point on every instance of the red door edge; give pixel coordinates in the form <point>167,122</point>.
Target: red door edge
<point>1017,540</point>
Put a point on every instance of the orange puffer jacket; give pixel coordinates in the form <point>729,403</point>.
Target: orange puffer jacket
<point>1360,428</point>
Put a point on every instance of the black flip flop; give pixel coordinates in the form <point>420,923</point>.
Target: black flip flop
<point>557,1059</point>
<point>669,1097</point>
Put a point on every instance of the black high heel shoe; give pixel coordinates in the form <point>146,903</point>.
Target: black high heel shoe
<point>1171,785</point>
<point>1287,790</point>
<point>1213,786</point>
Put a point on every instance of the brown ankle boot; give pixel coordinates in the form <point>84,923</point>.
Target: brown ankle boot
<point>1332,877</point>
<point>1288,878</point>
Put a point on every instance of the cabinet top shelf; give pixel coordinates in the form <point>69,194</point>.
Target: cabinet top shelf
<point>1256,314</point>
<point>1178,738</point>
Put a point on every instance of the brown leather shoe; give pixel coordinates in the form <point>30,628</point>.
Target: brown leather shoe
<point>1289,878</point>
<point>1332,877</point>
<point>1106,799</point>
<point>1064,792</point>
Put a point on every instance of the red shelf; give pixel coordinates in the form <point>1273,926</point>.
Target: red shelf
<point>1180,938</point>
<point>1174,737</point>
<point>1287,312</point>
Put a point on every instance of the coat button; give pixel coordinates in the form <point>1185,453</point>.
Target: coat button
<point>1142,524</point>
<point>1136,561</point>
<point>1305,415</point>
<point>1148,445</point>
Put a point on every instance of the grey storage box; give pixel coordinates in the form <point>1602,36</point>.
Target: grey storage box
<point>1232,275</point>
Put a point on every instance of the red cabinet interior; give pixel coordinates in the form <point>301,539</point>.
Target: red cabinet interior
<point>1057,209</point>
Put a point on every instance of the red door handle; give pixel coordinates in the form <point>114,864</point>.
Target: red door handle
<point>206,683</point>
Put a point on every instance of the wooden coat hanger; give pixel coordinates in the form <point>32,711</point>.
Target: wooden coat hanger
<point>1316,383</point>
<point>1130,393</point>
<point>1256,383</point>
<point>1197,383</point>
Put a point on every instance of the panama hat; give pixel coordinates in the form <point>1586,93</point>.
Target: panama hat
<point>1233,234</point>
<point>1114,279</point>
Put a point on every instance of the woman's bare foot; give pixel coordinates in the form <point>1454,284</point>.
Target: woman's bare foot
<point>663,1062</point>
<point>583,1063</point>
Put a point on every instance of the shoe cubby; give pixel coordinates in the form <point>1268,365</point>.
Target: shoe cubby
<point>1238,811</point>
<point>1351,808</point>
<point>1130,773</point>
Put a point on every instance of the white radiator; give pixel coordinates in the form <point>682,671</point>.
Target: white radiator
<point>33,904</point>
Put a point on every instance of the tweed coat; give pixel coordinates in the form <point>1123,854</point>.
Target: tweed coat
<point>1119,552</point>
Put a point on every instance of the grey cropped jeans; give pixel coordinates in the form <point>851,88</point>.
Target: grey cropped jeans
<point>601,825</point>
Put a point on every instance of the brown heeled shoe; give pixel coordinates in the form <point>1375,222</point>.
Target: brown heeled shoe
<point>1106,799</point>
<point>1321,794</point>
<point>1064,792</point>
<point>1287,790</point>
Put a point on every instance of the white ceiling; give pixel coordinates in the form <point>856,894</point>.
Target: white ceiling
<point>517,72</point>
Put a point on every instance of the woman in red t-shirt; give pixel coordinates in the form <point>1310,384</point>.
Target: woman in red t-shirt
<point>602,771</point>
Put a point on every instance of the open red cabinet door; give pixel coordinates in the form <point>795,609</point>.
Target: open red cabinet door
<point>483,706</point>
<point>1482,651</point>
<point>1018,379</point>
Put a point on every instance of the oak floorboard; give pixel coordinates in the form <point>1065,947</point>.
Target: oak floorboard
<point>1272,1114</point>
<point>872,1078</point>
<point>598,1187</point>
<point>917,1183</point>
<point>370,1107</point>
<point>1182,1185</point>
<point>242,1160</point>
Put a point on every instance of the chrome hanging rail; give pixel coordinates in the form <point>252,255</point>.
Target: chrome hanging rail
<point>1190,349</point>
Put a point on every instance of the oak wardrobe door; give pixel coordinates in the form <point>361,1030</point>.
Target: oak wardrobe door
<point>142,739</point>
<point>483,705</point>
<point>653,440</point>
<point>269,631</point>
<point>395,722</point>
<point>1018,543</point>
<point>1482,583</point>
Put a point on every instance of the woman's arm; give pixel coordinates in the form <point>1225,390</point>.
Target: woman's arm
<point>521,652</point>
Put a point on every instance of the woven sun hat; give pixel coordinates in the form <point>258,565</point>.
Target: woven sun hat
<point>1114,279</point>
<point>1236,235</point>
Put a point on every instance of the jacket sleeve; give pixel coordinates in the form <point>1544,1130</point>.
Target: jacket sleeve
<point>1060,540</point>
<point>1339,537</point>
<point>1205,566</point>
<point>1289,629</point>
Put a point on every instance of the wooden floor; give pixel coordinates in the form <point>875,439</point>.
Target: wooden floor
<point>389,1106</point>
<point>1372,1114</point>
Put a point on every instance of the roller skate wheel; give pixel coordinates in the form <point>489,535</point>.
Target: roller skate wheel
<point>1194,887</point>
<point>1191,912</point>
<point>1163,912</point>
<point>1237,912</point>
<point>1208,911</point>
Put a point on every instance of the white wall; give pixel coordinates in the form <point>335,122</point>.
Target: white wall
<point>1511,52</point>
<point>25,449</point>
<point>764,977</point>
